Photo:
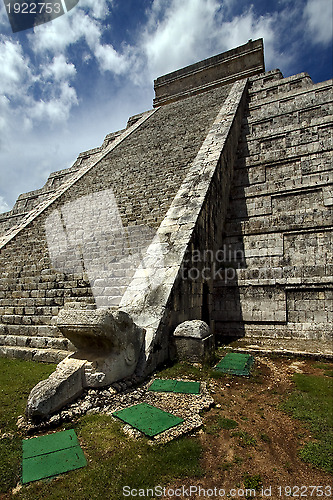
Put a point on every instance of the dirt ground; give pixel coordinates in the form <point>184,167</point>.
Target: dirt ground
<point>269,449</point>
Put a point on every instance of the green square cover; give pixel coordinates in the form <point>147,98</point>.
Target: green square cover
<point>169,385</point>
<point>236,364</point>
<point>49,443</point>
<point>187,387</point>
<point>52,464</point>
<point>50,455</point>
<point>160,385</point>
<point>148,419</point>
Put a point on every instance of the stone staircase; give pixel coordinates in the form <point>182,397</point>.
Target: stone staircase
<point>43,342</point>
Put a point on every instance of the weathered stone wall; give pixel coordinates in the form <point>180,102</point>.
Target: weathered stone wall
<point>278,232</point>
<point>143,172</point>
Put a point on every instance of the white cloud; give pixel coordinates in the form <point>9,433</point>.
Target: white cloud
<point>4,207</point>
<point>64,31</point>
<point>59,69</point>
<point>109,59</point>
<point>4,23</point>
<point>58,36</point>
<point>181,32</point>
<point>178,32</point>
<point>247,26</point>
<point>4,118</point>
<point>58,108</point>
<point>19,79</point>
<point>14,67</point>
<point>319,17</point>
<point>98,9</point>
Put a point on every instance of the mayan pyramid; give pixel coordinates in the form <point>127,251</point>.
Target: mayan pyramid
<point>216,204</point>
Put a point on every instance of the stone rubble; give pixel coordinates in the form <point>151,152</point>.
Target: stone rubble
<point>113,398</point>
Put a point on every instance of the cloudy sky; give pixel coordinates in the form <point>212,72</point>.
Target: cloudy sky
<point>66,84</point>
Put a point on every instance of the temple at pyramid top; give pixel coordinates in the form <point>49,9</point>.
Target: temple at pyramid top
<point>222,69</point>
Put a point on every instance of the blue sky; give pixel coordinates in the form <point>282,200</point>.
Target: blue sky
<point>68,83</point>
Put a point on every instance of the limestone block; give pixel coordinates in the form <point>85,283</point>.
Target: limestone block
<point>110,341</point>
<point>61,387</point>
<point>194,341</point>
<point>108,347</point>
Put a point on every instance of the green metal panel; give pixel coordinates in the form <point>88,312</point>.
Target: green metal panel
<point>50,455</point>
<point>148,419</point>
<point>52,464</point>
<point>49,443</point>
<point>187,387</point>
<point>236,364</point>
<point>181,386</point>
<point>160,385</point>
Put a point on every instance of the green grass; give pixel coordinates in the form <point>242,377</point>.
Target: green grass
<point>252,482</point>
<point>264,437</point>
<point>228,465</point>
<point>215,424</point>
<point>114,459</point>
<point>244,438</point>
<point>327,367</point>
<point>17,379</point>
<point>312,403</point>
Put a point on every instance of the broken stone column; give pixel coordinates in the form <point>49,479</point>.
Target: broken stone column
<point>194,341</point>
<point>108,345</point>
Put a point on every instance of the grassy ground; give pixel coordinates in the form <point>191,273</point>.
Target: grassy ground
<point>17,378</point>
<point>116,461</point>
<point>247,439</point>
<point>312,402</point>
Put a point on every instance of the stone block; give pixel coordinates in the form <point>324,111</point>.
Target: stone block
<point>193,341</point>
<point>61,387</point>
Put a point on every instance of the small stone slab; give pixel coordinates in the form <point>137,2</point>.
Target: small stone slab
<point>148,419</point>
<point>50,455</point>
<point>236,364</point>
<point>178,386</point>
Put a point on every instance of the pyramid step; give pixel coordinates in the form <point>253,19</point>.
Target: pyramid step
<point>21,330</point>
<point>36,342</point>
<point>28,354</point>
<point>110,284</point>
<point>268,89</point>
